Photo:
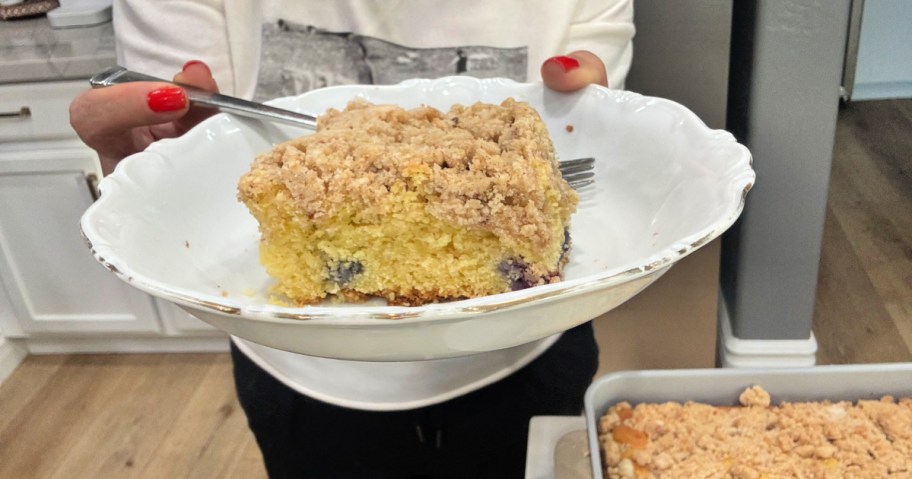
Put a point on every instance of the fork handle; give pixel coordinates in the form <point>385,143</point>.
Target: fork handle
<point>117,75</point>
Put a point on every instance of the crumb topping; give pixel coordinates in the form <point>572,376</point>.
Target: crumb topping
<point>479,166</point>
<point>865,439</point>
<point>754,396</point>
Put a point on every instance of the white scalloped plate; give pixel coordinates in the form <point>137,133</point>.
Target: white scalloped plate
<point>168,222</point>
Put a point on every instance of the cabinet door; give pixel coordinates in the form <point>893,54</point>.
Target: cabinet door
<point>51,278</point>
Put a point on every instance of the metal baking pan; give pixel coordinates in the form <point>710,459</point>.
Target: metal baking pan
<point>722,386</point>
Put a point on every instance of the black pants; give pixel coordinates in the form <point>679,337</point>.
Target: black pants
<point>482,434</point>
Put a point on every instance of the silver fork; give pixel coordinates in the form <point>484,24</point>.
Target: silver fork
<point>117,75</point>
<point>578,172</point>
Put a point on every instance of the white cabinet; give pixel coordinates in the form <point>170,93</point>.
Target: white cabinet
<point>176,321</point>
<point>37,111</point>
<point>53,282</point>
<point>55,289</point>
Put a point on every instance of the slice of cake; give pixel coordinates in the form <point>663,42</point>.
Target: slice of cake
<point>757,440</point>
<point>413,206</point>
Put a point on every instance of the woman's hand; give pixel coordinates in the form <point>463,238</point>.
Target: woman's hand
<point>574,71</point>
<point>120,120</point>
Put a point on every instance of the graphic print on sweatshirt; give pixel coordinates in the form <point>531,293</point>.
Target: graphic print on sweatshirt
<point>297,58</point>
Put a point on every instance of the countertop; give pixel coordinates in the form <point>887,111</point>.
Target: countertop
<point>558,448</point>
<point>32,51</point>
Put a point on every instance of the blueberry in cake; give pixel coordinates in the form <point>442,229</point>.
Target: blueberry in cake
<point>414,206</point>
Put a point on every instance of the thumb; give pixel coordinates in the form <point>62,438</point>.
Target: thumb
<point>574,71</point>
<point>197,74</point>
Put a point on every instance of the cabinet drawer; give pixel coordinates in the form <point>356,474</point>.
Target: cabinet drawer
<point>37,111</point>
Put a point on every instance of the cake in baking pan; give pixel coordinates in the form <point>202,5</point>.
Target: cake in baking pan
<point>413,206</point>
<point>865,439</point>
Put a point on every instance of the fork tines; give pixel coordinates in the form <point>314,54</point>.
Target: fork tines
<point>578,172</point>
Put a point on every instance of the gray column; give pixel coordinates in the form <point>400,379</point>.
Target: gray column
<point>784,97</point>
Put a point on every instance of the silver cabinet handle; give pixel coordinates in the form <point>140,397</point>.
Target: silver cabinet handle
<point>92,183</point>
<point>23,112</point>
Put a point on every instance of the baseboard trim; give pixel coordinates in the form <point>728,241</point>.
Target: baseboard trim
<point>12,352</point>
<point>207,344</point>
<point>881,90</point>
<point>761,353</point>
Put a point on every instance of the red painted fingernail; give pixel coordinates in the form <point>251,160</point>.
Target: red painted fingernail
<point>566,63</point>
<point>166,99</point>
<point>194,62</point>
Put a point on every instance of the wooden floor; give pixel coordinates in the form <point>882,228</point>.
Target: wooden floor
<point>176,415</point>
<point>125,416</point>
<point>863,311</point>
